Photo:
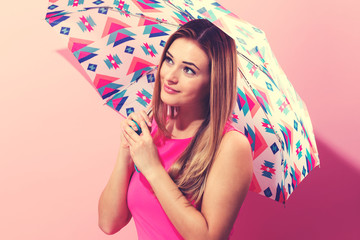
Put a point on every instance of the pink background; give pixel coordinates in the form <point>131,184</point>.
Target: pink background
<point>58,143</point>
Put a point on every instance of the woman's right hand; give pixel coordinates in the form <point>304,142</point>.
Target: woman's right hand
<point>129,121</point>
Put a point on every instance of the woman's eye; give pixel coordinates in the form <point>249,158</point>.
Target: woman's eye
<point>168,60</point>
<point>189,71</point>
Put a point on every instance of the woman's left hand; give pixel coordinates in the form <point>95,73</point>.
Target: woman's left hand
<point>142,149</point>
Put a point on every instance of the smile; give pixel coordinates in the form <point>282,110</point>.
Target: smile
<point>169,90</point>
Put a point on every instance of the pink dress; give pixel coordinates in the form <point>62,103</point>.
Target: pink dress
<point>150,219</point>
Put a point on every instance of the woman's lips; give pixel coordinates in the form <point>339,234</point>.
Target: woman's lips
<point>169,90</point>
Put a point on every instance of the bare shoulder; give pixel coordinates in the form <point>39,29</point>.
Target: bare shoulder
<point>235,138</point>
<point>235,144</point>
<point>235,151</point>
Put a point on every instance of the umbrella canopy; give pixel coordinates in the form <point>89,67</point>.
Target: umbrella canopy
<point>119,44</point>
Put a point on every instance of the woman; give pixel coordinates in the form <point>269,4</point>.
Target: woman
<point>195,168</point>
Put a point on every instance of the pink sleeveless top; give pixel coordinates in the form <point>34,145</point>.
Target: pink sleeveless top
<point>150,219</point>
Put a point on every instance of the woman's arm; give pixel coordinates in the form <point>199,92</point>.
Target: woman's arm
<point>226,188</point>
<point>113,211</point>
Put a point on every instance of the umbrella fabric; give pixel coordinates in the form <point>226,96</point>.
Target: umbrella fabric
<point>119,44</point>
<point>114,46</point>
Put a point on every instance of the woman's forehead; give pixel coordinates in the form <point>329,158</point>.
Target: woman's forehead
<point>188,50</point>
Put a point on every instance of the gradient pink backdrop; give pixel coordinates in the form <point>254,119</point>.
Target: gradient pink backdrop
<point>58,143</point>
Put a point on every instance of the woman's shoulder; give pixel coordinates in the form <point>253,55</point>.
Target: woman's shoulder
<point>233,138</point>
<point>230,127</point>
<point>236,152</point>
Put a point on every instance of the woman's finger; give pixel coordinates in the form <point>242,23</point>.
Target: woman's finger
<point>145,129</point>
<point>132,135</point>
<point>131,118</point>
<point>151,114</point>
<point>127,139</point>
<point>137,117</point>
<point>132,124</point>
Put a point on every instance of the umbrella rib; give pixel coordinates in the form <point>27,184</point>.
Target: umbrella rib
<point>167,2</point>
<point>256,65</point>
<point>81,10</point>
<point>252,89</point>
<point>158,20</point>
<point>131,83</point>
<point>132,14</point>
<point>142,16</point>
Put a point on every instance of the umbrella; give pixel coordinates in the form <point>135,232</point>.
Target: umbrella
<point>119,44</point>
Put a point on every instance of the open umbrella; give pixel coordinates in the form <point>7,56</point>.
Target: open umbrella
<point>119,44</point>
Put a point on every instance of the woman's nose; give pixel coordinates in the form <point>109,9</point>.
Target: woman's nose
<point>172,76</point>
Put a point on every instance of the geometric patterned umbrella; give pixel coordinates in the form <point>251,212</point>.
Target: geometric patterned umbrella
<point>119,44</point>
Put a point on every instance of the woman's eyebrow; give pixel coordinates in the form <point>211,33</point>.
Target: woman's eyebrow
<point>189,63</point>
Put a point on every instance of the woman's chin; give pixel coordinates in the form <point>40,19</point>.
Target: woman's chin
<point>171,104</point>
<point>168,100</point>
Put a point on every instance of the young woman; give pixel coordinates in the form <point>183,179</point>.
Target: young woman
<point>195,168</point>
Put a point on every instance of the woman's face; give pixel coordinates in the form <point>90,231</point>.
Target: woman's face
<point>184,75</point>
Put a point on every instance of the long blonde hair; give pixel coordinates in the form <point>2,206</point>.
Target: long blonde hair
<point>191,170</point>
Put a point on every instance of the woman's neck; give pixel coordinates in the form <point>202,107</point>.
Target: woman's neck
<point>186,122</point>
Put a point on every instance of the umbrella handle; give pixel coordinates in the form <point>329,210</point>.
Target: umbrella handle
<point>138,127</point>
<point>138,132</point>
<point>136,168</point>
